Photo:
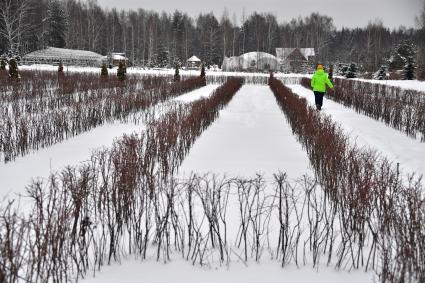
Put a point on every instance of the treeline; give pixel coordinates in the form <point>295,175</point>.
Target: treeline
<point>159,39</point>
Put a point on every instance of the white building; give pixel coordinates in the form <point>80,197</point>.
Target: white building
<point>70,57</point>
<point>252,61</point>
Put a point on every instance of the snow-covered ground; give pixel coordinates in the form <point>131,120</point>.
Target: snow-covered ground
<point>365,131</point>
<point>251,136</point>
<point>405,84</point>
<point>154,71</point>
<point>134,271</point>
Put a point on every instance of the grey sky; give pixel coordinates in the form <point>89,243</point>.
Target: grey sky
<point>348,13</point>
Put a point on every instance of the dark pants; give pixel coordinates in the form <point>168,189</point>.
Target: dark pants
<point>319,99</point>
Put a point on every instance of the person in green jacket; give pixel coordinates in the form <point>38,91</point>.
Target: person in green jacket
<point>318,83</point>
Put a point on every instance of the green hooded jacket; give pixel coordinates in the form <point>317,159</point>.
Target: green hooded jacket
<point>320,80</point>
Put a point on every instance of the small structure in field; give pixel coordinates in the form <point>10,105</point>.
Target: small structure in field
<point>68,57</point>
<point>295,60</point>
<point>194,63</point>
<point>116,58</point>
<point>251,62</point>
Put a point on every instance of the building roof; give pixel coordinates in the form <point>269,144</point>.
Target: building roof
<point>283,53</point>
<point>53,53</point>
<point>250,60</point>
<point>194,59</point>
<point>118,56</point>
<point>257,56</point>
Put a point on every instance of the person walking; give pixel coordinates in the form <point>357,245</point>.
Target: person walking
<point>318,84</point>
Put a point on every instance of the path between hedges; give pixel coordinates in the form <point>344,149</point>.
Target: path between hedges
<point>251,136</point>
<point>368,132</point>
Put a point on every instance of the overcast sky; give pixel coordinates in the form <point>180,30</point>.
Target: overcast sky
<point>347,13</point>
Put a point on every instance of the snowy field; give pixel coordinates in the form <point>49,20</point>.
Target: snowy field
<point>250,136</point>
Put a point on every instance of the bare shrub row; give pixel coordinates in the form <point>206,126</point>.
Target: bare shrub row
<point>381,213</point>
<point>19,134</point>
<point>34,84</point>
<point>399,108</point>
<point>119,202</point>
<point>260,79</point>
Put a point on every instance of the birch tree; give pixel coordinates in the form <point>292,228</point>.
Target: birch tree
<point>14,24</point>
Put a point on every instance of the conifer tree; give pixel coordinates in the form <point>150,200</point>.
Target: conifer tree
<point>55,25</point>
<point>331,73</point>
<point>203,71</point>
<point>2,64</point>
<point>13,70</point>
<point>60,68</point>
<point>352,71</point>
<point>382,73</point>
<point>409,69</point>
<point>177,74</point>
<point>104,71</point>
<point>122,71</point>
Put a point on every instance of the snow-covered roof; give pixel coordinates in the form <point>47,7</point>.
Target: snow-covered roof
<point>283,53</point>
<point>118,56</point>
<point>256,56</point>
<point>59,54</point>
<point>255,60</point>
<point>194,59</point>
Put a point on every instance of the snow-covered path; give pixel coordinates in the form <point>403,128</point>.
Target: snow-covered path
<point>365,131</point>
<point>180,271</point>
<point>251,136</point>
<point>16,175</point>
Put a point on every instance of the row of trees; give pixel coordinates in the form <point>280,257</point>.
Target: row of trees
<point>152,38</point>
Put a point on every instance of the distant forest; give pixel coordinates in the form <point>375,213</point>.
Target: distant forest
<point>159,39</point>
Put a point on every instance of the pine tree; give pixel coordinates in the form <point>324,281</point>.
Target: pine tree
<point>60,68</point>
<point>56,25</point>
<point>104,71</point>
<point>352,71</point>
<point>2,64</point>
<point>342,69</point>
<point>162,57</point>
<point>122,71</point>
<point>13,70</point>
<point>401,55</point>
<point>177,74</point>
<point>331,73</point>
<point>382,73</point>
<point>409,69</point>
<point>203,71</point>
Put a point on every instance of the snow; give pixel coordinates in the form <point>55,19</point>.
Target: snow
<point>368,132</point>
<point>132,271</point>
<point>283,53</point>
<point>251,136</point>
<point>405,84</point>
<point>194,59</point>
<point>118,57</point>
<point>197,94</point>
